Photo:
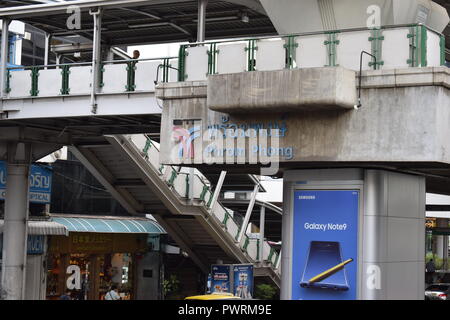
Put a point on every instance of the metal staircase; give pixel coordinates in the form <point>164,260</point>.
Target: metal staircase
<point>185,204</point>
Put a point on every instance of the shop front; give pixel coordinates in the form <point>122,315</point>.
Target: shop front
<point>101,252</point>
<point>37,244</point>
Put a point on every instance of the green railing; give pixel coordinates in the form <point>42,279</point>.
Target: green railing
<point>65,74</point>
<point>418,36</point>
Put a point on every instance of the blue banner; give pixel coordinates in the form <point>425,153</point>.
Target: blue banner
<point>243,281</point>
<point>40,183</point>
<point>325,250</point>
<point>221,275</point>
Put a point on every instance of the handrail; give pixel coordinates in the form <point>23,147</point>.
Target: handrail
<point>138,60</point>
<point>88,63</point>
<point>228,217</point>
<point>51,65</point>
<point>386,27</point>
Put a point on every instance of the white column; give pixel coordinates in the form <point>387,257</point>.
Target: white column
<point>47,49</point>
<point>217,191</point>
<point>248,214</point>
<point>96,56</point>
<point>15,222</point>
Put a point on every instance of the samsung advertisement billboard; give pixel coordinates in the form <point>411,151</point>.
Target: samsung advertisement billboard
<point>325,245</point>
<point>40,183</point>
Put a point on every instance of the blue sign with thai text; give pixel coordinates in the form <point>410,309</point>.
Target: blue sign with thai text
<point>40,183</point>
<point>221,278</point>
<point>325,245</point>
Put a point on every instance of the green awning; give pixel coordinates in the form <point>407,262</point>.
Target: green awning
<point>102,225</point>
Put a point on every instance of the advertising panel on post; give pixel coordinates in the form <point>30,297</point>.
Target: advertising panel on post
<point>243,281</point>
<point>40,183</point>
<point>325,250</point>
<point>221,278</point>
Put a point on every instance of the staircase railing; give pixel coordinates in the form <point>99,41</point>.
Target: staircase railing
<point>179,180</point>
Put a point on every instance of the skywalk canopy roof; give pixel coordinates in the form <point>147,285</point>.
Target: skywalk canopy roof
<point>128,22</point>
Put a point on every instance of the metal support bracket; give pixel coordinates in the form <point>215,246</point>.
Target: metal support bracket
<point>131,76</point>
<point>182,54</point>
<point>65,80</point>
<point>413,60</point>
<point>290,47</point>
<point>251,49</point>
<point>212,59</point>
<point>331,44</point>
<point>34,82</point>
<point>376,43</point>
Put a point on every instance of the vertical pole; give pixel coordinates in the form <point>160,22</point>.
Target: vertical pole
<point>58,59</point>
<point>4,56</point>
<point>48,37</point>
<point>191,183</point>
<point>262,223</point>
<point>248,214</point>
<point>110,55</point>
<point>201,21</point>
<point>15,222</point>
<point>96,56</point>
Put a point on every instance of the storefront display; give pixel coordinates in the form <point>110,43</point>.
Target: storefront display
<point>102,260</point>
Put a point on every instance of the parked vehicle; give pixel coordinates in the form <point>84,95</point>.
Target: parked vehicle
<point>214,296</point>
<point>438,291</point>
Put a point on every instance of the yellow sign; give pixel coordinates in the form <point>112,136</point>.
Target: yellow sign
<point>430,223</point>
<point>84,242</point>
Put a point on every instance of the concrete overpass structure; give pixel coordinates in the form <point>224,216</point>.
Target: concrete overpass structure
<point>304,82</point>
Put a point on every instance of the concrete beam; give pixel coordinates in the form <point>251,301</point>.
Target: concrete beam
<point>33,135</point>
<point>311,89</point>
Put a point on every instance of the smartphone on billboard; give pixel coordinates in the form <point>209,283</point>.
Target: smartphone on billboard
<point>325,256</point>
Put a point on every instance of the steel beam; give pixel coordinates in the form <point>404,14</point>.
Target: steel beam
<point>18,12</point>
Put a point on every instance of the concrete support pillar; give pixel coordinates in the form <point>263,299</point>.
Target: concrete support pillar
<point>4,55</point>
<point>201,21</point>
<point>15,222</point>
